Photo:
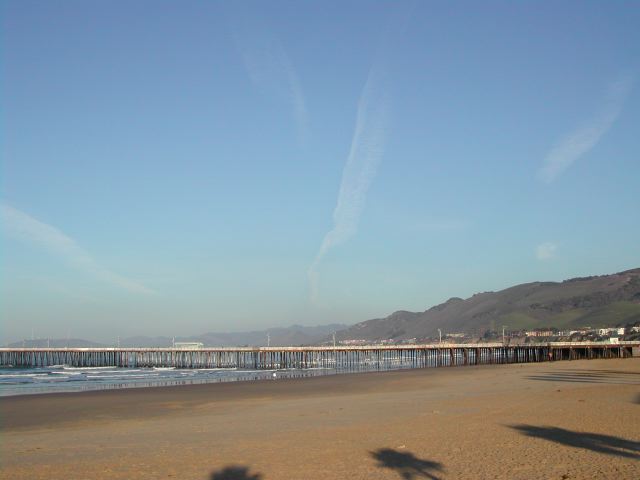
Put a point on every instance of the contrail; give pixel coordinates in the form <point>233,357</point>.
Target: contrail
<point>270,68</point>
<point>367,148</point>
<point>579,142</point>
<point>25,227</point>
<point>296,96</point>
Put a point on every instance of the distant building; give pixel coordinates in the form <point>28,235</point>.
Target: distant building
<point>539,333</point>
<point>582,331</point>
<point>611,331</point>
<point>188,345</point>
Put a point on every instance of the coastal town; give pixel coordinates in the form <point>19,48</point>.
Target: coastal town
<point>630,332</point>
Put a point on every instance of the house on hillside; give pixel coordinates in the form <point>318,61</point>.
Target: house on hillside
<point>539,333</point>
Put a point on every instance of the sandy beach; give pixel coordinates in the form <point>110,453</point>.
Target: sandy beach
<point>562,420</point>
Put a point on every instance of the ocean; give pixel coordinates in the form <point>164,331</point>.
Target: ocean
<point>61,378</point>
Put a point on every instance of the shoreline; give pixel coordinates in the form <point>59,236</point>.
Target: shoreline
<point>541,420</point>
<point>14,407</point>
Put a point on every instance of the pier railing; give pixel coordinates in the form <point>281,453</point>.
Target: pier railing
<point>339,357</point>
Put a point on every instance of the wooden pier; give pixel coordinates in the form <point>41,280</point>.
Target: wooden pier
<point>339,357</point>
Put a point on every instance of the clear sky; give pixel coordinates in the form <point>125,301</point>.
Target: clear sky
<point>173,168</point>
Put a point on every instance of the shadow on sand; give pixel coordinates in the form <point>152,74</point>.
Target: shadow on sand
<point>595,442</point>
<point>589,376</point>
<point>406,464</point>
<point>235,472</point>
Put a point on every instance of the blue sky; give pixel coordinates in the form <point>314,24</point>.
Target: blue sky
<point>173,168</point>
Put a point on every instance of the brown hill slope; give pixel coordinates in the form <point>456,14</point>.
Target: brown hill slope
<point>605,300</point>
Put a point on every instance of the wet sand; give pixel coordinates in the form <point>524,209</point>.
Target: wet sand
<point>564,420</point>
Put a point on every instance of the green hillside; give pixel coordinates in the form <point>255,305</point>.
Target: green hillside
<point>598,301</point>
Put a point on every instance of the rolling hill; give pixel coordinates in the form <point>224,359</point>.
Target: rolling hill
<point>605,300</point>
<point>280,336</point>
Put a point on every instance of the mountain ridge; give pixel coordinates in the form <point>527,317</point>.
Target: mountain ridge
<point>603,300</point>
<point>279,336</point>
<point>597,301</point>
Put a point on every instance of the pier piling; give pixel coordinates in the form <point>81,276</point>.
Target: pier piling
<point>340,357</point>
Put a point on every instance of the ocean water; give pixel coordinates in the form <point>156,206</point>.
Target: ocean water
<point>61,378</point>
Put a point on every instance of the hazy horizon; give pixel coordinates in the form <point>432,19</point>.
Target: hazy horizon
<point>171,169</point>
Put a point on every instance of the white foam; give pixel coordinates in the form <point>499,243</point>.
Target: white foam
<point>102,372</point>
<point>254,371</point>
<point>87,368</point>
<point>215,369</point>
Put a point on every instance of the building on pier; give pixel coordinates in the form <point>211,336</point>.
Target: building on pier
<point>188,345</point>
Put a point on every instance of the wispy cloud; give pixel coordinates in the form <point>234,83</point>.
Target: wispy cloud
<point>546,251</point>
<point>579,142</point>
<point>441,225</point>
<point>270,68</point>
<point>367,146</point>
<point>26,228</point>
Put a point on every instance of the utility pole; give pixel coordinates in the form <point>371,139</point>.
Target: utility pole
<point>440,335</point>
<point>334,339</point>
<point>268,340</point>
<point>503,327</point>
<point>173,343</point>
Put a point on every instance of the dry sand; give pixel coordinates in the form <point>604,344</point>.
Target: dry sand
<point>562,420</point>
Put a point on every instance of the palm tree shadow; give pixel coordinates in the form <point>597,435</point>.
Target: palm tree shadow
<point>588,376</point>
<point>595,442</point>
<point>235,472</point>
<point>406,464</point>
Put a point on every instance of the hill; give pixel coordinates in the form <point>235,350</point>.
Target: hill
<point>606,300</point>
<point>281,336</point>
<point>57,343</point>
